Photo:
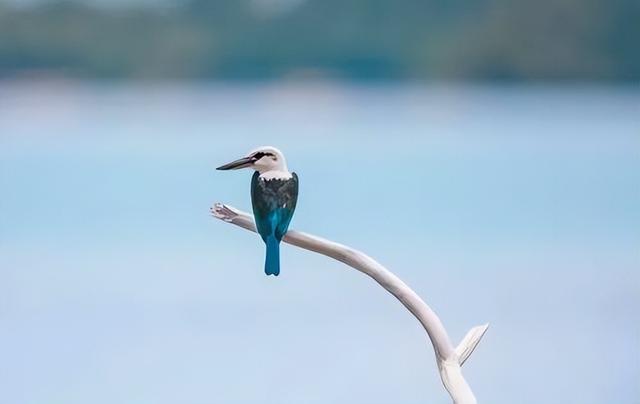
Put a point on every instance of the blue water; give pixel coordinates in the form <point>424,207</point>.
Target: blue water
<point>518,206</point>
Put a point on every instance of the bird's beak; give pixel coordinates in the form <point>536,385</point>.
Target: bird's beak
<point>240,163</point>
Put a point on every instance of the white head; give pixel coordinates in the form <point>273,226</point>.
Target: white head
<point>262,159</point>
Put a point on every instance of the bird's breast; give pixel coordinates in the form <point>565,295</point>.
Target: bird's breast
<point>275,175</point>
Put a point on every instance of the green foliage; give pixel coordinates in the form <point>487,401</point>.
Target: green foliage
<point>355,39</point>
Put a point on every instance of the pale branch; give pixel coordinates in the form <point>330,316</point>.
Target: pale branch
<point>448,357</point>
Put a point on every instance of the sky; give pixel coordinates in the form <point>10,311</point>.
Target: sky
<point>516,206</point>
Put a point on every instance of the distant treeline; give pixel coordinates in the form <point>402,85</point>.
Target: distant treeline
<point>352,39</point>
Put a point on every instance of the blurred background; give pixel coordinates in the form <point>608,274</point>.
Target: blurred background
<point>486,151</point>
<point>355,39</point>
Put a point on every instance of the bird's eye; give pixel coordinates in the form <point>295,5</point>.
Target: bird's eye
<point>258,156</point>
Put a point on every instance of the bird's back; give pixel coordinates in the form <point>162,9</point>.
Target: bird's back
<point>274,201</point>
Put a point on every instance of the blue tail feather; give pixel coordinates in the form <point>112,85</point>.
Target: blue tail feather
<point>272,261</point>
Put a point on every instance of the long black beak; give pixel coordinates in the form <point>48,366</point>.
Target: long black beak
<point>240,163</point>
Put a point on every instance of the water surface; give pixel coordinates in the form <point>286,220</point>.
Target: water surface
<point>518,206</point>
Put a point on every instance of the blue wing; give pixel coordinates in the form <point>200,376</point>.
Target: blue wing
<point>274,202</point>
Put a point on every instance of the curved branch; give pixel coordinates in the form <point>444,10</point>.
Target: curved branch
<point>448,357</point>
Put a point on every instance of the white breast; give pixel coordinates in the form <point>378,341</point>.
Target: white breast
<point>275,175</point>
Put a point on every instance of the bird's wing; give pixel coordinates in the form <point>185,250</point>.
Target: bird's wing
<point>261,206</point>
<point>288,197</point>
<point>273,203</point>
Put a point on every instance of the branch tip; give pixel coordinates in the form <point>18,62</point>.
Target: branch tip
<point>469,342</point>
<point>223,212</point>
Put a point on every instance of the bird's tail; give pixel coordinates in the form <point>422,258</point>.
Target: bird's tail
<point>272,261</point>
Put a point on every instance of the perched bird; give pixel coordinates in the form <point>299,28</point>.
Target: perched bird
<point>274,194</point>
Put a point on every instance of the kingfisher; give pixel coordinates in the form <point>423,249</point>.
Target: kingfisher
<point>274,194</point>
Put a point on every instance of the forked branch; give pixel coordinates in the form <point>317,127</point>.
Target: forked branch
<point>448,357</point>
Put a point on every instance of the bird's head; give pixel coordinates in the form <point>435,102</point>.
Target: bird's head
<point>262,159</point>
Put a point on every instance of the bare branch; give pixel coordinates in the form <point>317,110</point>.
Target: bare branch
<point>448,358</point>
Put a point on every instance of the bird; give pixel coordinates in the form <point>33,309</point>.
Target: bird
<point>274,195</point>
